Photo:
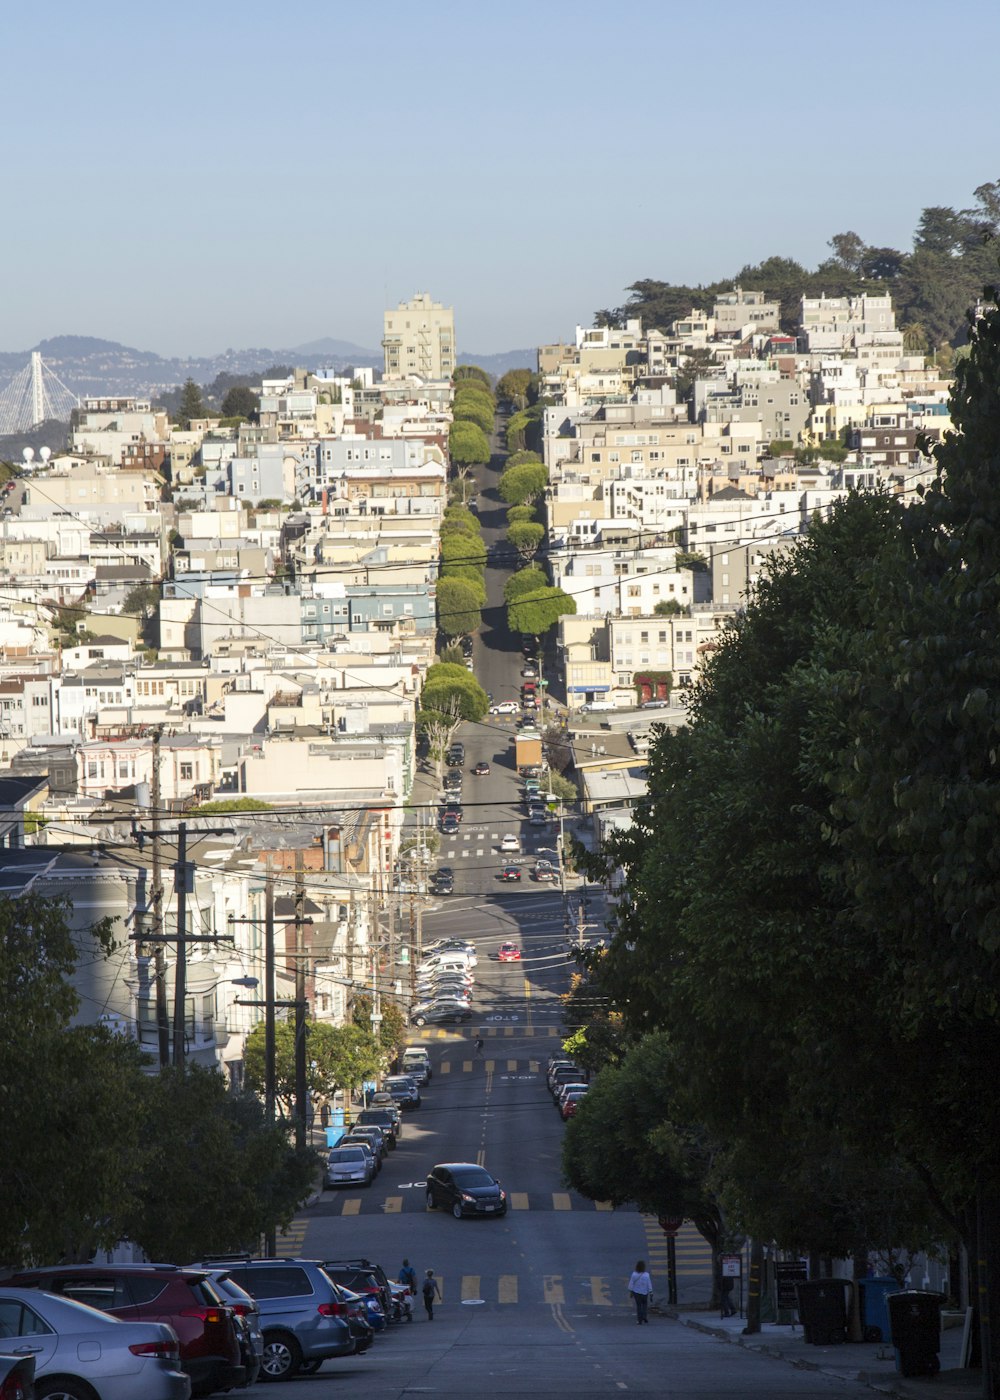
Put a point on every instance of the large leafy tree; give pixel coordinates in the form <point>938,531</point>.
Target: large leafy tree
<point>240,402</point>
<point>525,583</point>
<point>535,613</point>
<point>473,374</point>
<point>446,684</point>
<point>467,444</point>
<point>474,408</point>
<point>526,536</point>
<point>458,604</point>
<point>514,386</point>
<point>192,405</point>
<point>520,485</point>
<point>463,548</point>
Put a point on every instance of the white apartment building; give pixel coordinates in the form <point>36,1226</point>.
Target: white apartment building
<point>419,339</point>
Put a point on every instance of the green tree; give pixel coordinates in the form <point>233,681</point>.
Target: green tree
<point>523,458</point>
<point>526,537</point>
<point>234,1179</point>
<point>467,444</point>
<point>688,559</point>
<point>470,574</point>
<point>668,607</point>
<point>240,402</point>
<point>519,515</point>
<point>563,788</point>
<point>475,374</point>
<point>780,447</point>
<point>461,515</point>
<point>530,582</point>
<point>473,408</point>
<point>463,548</point>
<point>144,598</point>
<point>392,1030</point>
<point>514,386</point>
<point>447,684</point>
<point>523,484</point>
<point>457,607</point>
<point>192,405</point>
<point>537,612</point>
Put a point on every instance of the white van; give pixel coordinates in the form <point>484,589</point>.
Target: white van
<point>417,1061</point>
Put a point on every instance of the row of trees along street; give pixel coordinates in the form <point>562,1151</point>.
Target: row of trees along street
<point>801,1040</point>
<point>101,1150</point>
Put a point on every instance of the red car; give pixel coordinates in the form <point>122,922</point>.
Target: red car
<point>509,952</point>
<point>510,872</point>
<point>185,1299</point>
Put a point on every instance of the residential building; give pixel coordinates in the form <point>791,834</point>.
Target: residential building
<point>419,339</point>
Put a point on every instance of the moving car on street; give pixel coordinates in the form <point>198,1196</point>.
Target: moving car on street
<point>504,707</point>
<point>510,872</point>
<point>510,842</point>
<point>482,769</point>
<point>509,952</point>
<point>465,1189</point>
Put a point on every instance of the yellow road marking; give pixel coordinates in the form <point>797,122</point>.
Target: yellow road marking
<point>518,1200</point>
<point>507,1288</point>
<point>481,1158</point>
<point>561,1320</point>
<point>533,1066</point>
<point>492,1030</point>
<point>470,1286</point>
<point>552,1289</point>
<point>467,1066</point>
<point>509,1032</point>
<point>490,1066</point>
<point>445,1067</point>
<point>512,1064</point>
<point>393,1205</point>
<point>561,1201</point>
<point>352,1206</point>
<point>603,1205</point>
<point>599,1294</point>
<point>553,1030</point>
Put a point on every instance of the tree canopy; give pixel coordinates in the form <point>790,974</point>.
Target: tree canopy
<point>467,444</point>
<point>240,402</point>
<point>473,408</point>
<point>458,604</point>
<point>535,613</point>
<point>514,386</point>
<point>192,405</point>
<point>475,373</point>
<point>524,583</point>
<point>520,485</point>
<point>526,536</point>
<point>450,689</point>
<point>462,547</point>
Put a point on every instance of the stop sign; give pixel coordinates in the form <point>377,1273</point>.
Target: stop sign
<point>670,1224</point>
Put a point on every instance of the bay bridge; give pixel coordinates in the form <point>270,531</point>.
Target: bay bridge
<point>35,394</point>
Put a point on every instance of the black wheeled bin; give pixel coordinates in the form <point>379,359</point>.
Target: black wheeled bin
<point>915,1322</point>
<point>823,1310</point>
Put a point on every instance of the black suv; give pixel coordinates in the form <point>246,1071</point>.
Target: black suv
<point>456,755</point>
<point>385,1118</point>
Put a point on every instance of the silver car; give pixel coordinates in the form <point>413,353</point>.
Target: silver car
<point>347,1166</point>
<point>91,1353</point>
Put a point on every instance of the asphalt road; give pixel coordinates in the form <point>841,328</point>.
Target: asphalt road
<point>535,1304</point>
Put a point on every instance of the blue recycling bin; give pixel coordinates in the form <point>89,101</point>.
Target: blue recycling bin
<point>875,1308</point>
<point>335,1128</point>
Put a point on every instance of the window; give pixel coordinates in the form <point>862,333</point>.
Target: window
<point>187,772</point>
<point>91,768</point>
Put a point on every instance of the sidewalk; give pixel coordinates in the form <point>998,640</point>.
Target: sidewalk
<point>871,1363</point>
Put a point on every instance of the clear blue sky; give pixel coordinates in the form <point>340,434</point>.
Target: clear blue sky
<point>188,176</point>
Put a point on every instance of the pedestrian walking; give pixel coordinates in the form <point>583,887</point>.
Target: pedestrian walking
<point>726,1304</point>
<point>431,1289</point>
<point>640,1285</point>
<point>479,1044</point>
<point>408,1276</point>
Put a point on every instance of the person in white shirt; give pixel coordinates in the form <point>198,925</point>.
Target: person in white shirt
<point>640,1285</point>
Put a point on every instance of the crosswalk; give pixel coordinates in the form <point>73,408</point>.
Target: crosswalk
<point>410,1199</point>
<point>486,1030</point>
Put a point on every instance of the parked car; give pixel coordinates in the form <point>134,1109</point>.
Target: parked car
<point>465,1189</point>
<point>371,1134</point>
<point>554,1064</point>
<point>353,1140</point>
<point>538,818</point>
<point>509,952</point>
<point>453,779</point>
<point>403,1089</point>
<point>184,1299</point>
<point>248,1320</point>
<point>482,769</point>
<point>441,1013</point>
<point>565,1074</point>
<point>349,1166</point>
<point>417,1061</point>
<point>544,874</point>
<point>572,1086</point>
<point>453,808</point>
<point>456,754</point>
<point>385,1103</point>
<point>381,1118</point>
<point>362,1276</point>
<point>504,707</point>
<point>510,872</point>
<point>528,671</point>
<point>570,1104</point>
<point>91,1352</point>
<point>303,1313</point>
<point>17,1377</point>
<point>510,842</point>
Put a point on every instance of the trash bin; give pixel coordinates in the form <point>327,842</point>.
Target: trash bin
<point>874,1307</point>
<point>823,1310</point>
<point>915,1322</point>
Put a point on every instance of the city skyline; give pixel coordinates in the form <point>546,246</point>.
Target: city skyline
<point>221,177</point>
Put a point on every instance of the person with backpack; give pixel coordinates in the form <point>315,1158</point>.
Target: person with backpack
<point>431,1289</point>
<point>408,1277</point>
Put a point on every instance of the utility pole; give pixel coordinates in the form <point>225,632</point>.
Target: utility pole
<point>159,961</point>
<point>301,1084</point>
<point>270,1239</point>
<point>181,878</point>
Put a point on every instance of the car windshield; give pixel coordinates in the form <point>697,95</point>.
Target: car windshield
<point>472,1176</point>
<point>347,1154</point>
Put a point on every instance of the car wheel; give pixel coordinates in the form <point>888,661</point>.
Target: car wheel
<point>419,1021</point>
<point>282,1356</point>
<point>64,1388</point>
<point>430,1200</point>
<point>456,1210</point>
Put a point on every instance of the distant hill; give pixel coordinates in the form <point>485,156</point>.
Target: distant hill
<point>339,350</point>
<point>500,363</point>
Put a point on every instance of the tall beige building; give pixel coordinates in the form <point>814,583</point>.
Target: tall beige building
<point>419,339</point>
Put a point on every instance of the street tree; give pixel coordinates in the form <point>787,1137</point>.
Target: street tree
<point>391,1033</point>
<point>523,458</point>
<point>470,574</point>
<point>463,548</point>
<point>458,606</point>
<point>526,536</point>
<point>240,402</point>
<point>525,583</point>
<point>535,613</point>
<point>521,485</point>
<point>235,1178</point>
<point>143,599</point>
<point>439,727</point>
<point>447,687</point>
<point>472,373</point>
<point>468,444</point>
<point>518,515</point>
<point>474,408</point>
<point>514,386</point>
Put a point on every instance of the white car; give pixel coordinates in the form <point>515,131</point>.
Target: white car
<point>504,707</point>
<point>89,1352</point>
<point>510,843</point>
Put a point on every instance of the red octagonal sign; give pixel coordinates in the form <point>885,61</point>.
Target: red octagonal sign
<point>670,1224</point>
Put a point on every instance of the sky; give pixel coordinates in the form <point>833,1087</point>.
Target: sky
<point>201,174</point>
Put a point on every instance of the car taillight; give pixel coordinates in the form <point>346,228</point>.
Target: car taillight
<point>240,1309</point>
<point>332,1309</point>
<point>210,1316</point>
<point>13,1388</point>
<point>168,1350</point>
